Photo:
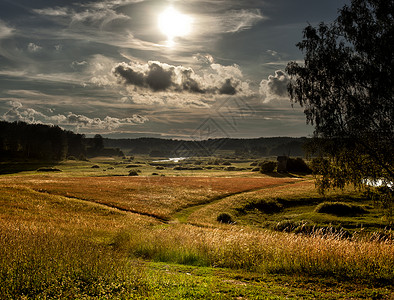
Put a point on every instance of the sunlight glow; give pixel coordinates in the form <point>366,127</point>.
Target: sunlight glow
<point>174,24</point>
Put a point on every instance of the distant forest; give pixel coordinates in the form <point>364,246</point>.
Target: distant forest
<point>257,147</point>
<point>19,140</point>
<point>22,141</point>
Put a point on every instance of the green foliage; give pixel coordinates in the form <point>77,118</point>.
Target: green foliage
<point>133,173</point>
<point>267,166</point>
<point>268,206</point>
<point>345,87</point>
<point>225,218</point>
<point>297,165</point>
<point>340,209</point>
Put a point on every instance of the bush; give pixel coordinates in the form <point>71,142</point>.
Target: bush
<point>132,166</point>
<point>266,206</point>
<point>230,168</point>
<point>225,218</point>
<point>82,157</point>
<point>340,209</point>
<point>95,167</point>
<point>297,165</point>
<point>267,166</point>
<point>133,173</point>
<point>71,158</point>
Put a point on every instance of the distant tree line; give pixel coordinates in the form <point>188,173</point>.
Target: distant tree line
<point>256,147</point>
<point>19,140</point>
<point>22,141</point>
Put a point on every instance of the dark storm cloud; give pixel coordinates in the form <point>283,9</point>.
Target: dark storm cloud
<point>227,88</point>
<point>157,76</point>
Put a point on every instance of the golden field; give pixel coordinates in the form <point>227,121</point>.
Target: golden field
<point>121,237</point>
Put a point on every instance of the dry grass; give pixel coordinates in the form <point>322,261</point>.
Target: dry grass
<point>52,246</point>
<point>159,197</point>
<point>22,207</point>
<point>265,251</point>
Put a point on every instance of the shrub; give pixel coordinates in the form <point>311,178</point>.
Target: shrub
<point>340,209</point>
<point>132,166</point>
<point>95,167</point>
<point>133,173</point>
<point>224,218</point>
<point>267,206</point>
<point>71,158</point>
<point>267,166</point>
<point>82,157</point>
<point>297,165</point>
<point>160,168</point>
<point>226,163</point>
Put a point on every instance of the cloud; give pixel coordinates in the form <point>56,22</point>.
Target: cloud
<point>98,14</point>
<point>108,123</point>
<point>33,48</point>
<point>54,12</point>
<point>5,31</point>
<point>238,20</point>
<point>205,59</point>
<point>110,3</point>
<point>228,21</point>
<point>275,87</point>
<point>159,77</point>
<point>18,112</point>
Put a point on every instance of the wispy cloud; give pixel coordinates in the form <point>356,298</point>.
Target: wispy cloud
<point>5,30</point>
<point>53,11</point>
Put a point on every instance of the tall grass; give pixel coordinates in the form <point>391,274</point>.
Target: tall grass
<point>265,251</point>
<point>50,265</point>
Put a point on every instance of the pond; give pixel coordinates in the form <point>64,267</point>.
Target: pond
<point>173,159</point>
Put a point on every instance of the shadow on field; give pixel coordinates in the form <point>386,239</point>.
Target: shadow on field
<point>16,167</point>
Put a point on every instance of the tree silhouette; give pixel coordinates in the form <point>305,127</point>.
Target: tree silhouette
<point>98,142</point>
<point>346,88</point>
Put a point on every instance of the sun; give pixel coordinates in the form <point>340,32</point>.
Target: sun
<point>174,24</point>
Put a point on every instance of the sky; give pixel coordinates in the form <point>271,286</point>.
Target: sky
<point>155,68</point>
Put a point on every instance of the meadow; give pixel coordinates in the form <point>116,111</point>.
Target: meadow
<point>97,233</point>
